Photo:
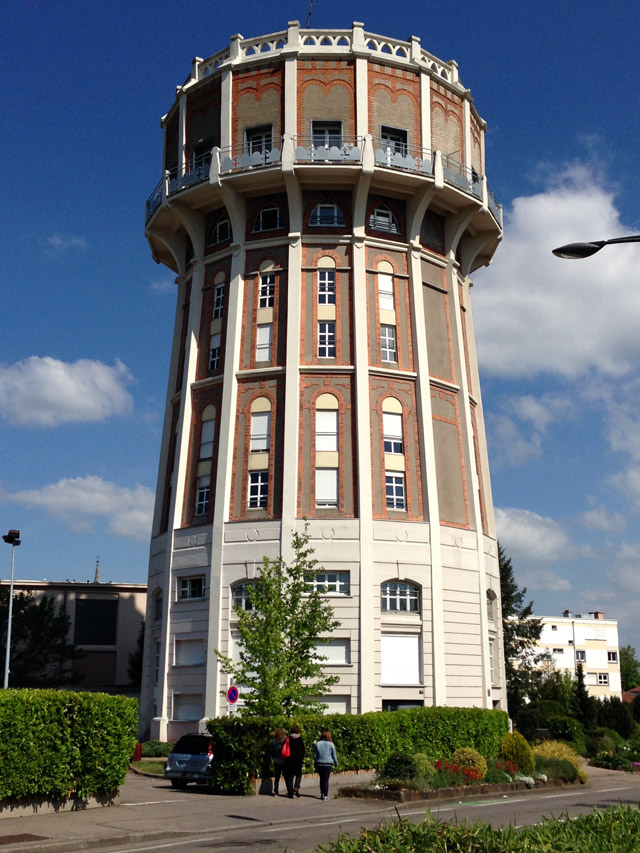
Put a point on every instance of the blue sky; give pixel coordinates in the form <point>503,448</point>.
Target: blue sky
<point>87,315</point>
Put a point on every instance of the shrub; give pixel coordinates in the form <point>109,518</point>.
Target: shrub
<point>499,772</point>
<point>513,747</point>
<point>468,757</point>
<point>426,770</point>
<point>612,762</point>
<point>563,727</point>
<point>400,765</point>
<point>556,768</point>
<point>555,749</point>
<point>616,714</point>
<point>156,749</point>
<point>449,775</point>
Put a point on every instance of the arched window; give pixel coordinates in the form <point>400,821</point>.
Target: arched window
<point>269,218</point>
<point>326,281</point>
<point>400,596</point>
<point>326,213</point>
<point>386,301</point>
<point>260,425</point>
<point>207,432</point>
<point>392,425</point>
<point>327,458</point>
<point>241,595</point>
<point>382,218</point>
<point>326,422</point>
<point>221,231</point>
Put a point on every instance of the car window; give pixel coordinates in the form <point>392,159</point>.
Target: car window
<point>193,745</point>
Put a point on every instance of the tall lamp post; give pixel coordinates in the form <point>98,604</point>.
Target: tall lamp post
<point>584,250</point>
<point>11,538</point>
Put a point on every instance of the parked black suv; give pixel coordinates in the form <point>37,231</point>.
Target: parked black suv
<point>189,760</point>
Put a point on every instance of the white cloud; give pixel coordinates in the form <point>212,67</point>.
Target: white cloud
<point>164,286</point>
<point>511,446</point>
<point>75,501</point>
<point>599,517</point>
<point>47,392</point>
<point>533,537</point>
<point>64,243</point>
<point>535,313</point>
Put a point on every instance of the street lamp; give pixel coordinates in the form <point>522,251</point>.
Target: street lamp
<point>584,250</point>
<point>11,538</point>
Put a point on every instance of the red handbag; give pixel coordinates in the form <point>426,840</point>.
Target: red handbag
<point>285,752</point>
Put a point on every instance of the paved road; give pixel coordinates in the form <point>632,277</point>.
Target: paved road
<point>152,816</point>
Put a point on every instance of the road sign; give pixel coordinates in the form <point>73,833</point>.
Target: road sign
<point>232,695</point>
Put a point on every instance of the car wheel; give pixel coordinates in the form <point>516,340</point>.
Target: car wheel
<point>178,783</point>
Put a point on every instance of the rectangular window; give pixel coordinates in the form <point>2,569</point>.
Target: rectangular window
<point>603,679</point>
<point>259,138</point>
<point>202,495</point>
<point>156,664</point>
<point>392,430</point>
<point>267,290</point>
<point>258,489</point>
<point>394,488</point>
<point>189,652</point>
<point>326,487</point>
<point>400,659</point>
<point>157,615</point>
<point>326,429</point>
<point>326,287</point>
<point>206,439</point>
<point>581,656</point>
<point>214,352</point>
<point>218,301</point>
<point>191,587</point>
<point>264,336</point>
<point>394,139</point>
<point>385,292</point>
<point>96,621</point>
<point>188,706</point>
<point>558,651</point>
<point>335,651</point>
<point>260,431</point>
<point>326,340</point>
<point>330,582</point>
<point>388,343</point>
<point>326,134</point>
<point>612,657</point>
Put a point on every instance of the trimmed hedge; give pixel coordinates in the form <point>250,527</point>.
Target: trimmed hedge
<point>56,743</point>
<point>363,741</point>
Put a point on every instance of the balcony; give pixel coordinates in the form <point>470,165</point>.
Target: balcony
<point>195,172</point>
<point>462,176</point>
<point>333,150</point>
<point>405,157</point>
<point>240,158</point>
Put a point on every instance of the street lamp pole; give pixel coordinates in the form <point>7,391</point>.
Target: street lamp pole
<point>584,250</point>
<point>11,538</point>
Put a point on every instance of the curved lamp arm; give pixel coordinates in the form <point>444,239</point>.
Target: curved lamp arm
<point>584,250</point>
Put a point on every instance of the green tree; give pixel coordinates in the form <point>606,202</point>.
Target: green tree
<point>41,655</point>
<point>585,707</point>
<point>521,631</point>
<point>279,668</point>
<point>134,667</point>
<point>629,668</point>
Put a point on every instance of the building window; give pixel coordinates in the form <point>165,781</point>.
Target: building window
<point>612,657</point>
<point>206,438</point>
<point>581,656</point>
<point>189,652</point>
<point>241,595</point>
<point>157,610</point>
<point>399,596</point>
<point>258,489</point>
<point>554,627</point>
<point>264,338</point>
<point>326,429</point>
<point>392,429</point>
<point>269,218</point>
<point>326,340</point>
<point>326,487</point>
<point>202,495</point>
<point>393,140</point>
<point>221,231</point>
<point>260,431</point>
<point>326,134</point>
<point>326,287</point>
<point>388,343</point>
<point>214,352</point>
<point>326,213</point>
<point>330,582</point>
<point>96,621</point>
<point>218,301</point>
<point>394,488</point>
<point>558,651</point>
<point>385,292</point>
<point>259,138</point>
<point>383,219</point>
<point>335,652</point>
<point>491,598</point>
<point>191,587</point>
<point>156,664</point>
<point>267,290</point>
<point>603,679</point>
<point>400,659</point>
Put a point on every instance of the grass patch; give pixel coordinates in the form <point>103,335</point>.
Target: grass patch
<point>155,767</point>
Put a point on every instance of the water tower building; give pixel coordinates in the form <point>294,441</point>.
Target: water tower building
<point>323,203</point>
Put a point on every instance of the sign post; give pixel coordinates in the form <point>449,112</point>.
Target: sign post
<point>232,697</point>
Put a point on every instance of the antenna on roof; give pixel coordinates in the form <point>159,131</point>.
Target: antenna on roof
<point>309,15</point>
<point>97,575</point>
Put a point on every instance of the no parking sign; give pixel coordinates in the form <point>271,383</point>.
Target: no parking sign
<point>232,697</point>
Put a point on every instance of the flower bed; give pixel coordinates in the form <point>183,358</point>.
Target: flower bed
<point>407,795</point>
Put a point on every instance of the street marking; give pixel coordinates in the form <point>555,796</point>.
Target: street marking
<point>155,802</point>
<point>314,824</point>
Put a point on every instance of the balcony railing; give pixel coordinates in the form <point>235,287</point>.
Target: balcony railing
<point>494,205</point>
<point>334,150</point>
<point>462,176</point>
<point>154,200</point>
<point>398,156</point>
<point>194,172</point>
<point>239,158</point>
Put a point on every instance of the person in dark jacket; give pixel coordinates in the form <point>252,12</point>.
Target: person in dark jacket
<point>294,767</point>
<point>279,761</point>
<point>324,757</point>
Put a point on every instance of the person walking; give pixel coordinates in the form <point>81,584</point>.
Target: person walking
<point>324,757</point>
<point>296,757</point>
<point>279,761</point>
